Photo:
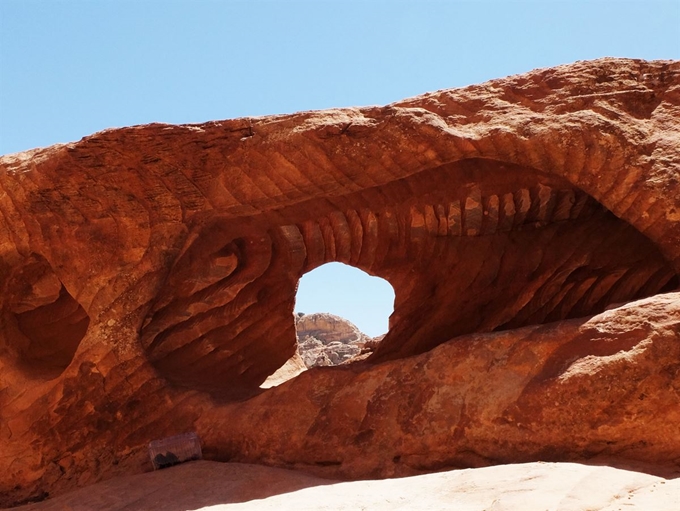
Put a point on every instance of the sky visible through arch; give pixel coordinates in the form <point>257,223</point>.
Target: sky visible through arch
<point>347,292</point>
<point>69,68</point>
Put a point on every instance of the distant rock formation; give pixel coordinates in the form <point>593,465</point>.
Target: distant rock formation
<point>323,340</point>
<point>327,340</point>
<point>149,273</point>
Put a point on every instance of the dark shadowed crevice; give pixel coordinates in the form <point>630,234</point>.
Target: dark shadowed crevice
<point>44,324</point>
<point>54,332</point>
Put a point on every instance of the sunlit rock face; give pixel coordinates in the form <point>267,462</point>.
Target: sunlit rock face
<point>149,278</point>
<point>327,340</point>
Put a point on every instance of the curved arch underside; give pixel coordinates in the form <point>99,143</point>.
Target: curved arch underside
<point>149,273</point>
<point>472,246</point>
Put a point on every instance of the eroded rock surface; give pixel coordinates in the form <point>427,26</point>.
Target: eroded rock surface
<point>149,273</point>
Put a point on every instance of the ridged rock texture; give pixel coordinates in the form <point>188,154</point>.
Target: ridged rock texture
<point>149,277</point>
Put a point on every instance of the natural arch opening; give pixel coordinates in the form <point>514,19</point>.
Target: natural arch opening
<point>471,246</point>
<point>340,313</point>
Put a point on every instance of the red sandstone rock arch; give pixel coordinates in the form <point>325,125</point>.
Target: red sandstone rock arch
<point>532,198</point>
<point>470,246</point>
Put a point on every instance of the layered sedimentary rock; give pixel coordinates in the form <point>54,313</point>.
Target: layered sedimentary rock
<point>149,278</point>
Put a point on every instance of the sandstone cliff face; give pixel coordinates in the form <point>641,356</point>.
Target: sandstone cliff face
<point>148,280</point>
<point>327,340</point>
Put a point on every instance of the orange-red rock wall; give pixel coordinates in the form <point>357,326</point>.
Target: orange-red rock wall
<point>148,273</point>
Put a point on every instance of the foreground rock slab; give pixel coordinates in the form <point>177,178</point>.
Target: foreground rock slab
<point>525,487</point>
<point>568,391</point>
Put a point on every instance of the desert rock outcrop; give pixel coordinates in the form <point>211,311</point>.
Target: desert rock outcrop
<point>327,340</point>
<point>149,273</point>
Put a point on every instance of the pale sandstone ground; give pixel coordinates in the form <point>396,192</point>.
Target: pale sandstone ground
<point>522,487</point>
<point>294,366</point>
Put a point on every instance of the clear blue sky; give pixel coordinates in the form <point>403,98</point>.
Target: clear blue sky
<point>70,68</point>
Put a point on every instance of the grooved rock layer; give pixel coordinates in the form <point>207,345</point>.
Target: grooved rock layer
<point>149,276</point>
